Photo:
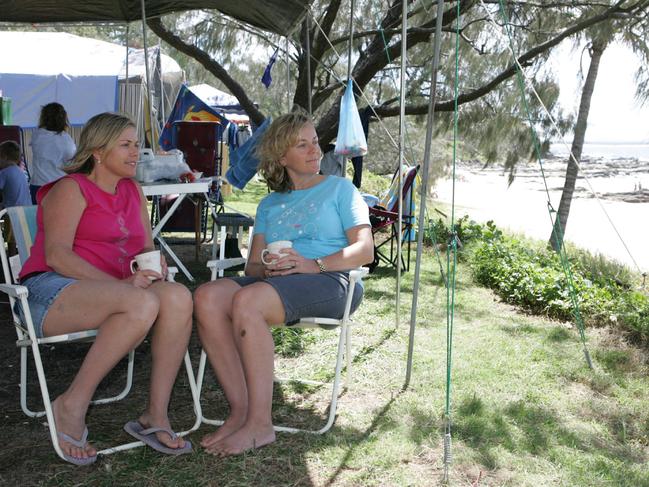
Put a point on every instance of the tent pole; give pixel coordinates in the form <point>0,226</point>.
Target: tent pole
<point>424,186</point>
<point>350,49</point>
<point>308,62</point>
<point>161,116</point>
<point>351,39</point>
<point>402,156</point>
<point>125,103</point>
<point>148,78</point>
<point>288,78</point>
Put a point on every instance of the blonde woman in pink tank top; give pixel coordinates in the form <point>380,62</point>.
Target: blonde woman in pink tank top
<point>91,223</point>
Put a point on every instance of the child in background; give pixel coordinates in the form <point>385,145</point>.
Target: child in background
<point>13,181</point>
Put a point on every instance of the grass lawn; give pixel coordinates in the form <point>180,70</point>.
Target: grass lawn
<point>526,410</point>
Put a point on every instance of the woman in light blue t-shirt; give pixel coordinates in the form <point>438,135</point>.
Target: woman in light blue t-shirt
<point>52,147</point>
<point>327,222</point>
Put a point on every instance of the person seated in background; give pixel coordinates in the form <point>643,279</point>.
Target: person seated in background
<point>13,180</point>
<point>328,223</point>
<point>52,147</point>
<point>91,223</point>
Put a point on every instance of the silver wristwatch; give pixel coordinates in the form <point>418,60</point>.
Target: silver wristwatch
<point>320,265</point>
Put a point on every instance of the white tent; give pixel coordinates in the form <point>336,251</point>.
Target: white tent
<point>221,101</point>
<point>80,73</point>
<point>213,96</point>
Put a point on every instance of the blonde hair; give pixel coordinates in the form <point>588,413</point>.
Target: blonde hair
<point>101,132</point>
<point>282,134</point>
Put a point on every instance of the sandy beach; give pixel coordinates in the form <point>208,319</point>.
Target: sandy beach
<point>622,185</point>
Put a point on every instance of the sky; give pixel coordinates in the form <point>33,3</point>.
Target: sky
<point>615,116</point>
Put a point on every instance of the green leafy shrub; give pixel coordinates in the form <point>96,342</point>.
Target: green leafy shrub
<point>525,273</point>
<point>439,231</point>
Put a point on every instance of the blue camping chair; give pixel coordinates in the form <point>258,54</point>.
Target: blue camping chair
<point>384,218</point>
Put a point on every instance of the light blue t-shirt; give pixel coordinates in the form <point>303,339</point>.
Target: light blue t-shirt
<point>14,187</point>
<point>314,219</point>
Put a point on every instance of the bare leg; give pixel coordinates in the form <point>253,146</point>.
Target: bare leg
<point>213,311</point>
<point>170,337</point>
<point>123,314</point>
<point>253,309</point>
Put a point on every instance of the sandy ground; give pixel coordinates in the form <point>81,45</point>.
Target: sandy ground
<point>621,184</point>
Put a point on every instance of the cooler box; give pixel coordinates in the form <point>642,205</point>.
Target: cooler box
<point>200,142</point>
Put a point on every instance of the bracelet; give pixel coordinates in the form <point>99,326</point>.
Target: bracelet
<point>321,265</point>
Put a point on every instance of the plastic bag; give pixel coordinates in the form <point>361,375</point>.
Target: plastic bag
<point>350,141</point>
<point>152,167</point>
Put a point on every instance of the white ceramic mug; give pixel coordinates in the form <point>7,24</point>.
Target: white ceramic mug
<point>147,261</point>
<point>274,248</point>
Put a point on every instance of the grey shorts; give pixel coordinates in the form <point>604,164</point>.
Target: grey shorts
<point>304,295</point>
<point>43,290</point>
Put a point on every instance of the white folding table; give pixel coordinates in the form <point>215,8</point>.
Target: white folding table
<point>198,187</point>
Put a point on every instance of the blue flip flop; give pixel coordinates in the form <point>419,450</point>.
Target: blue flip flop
<point>148,437</point>
<point>80,444</point>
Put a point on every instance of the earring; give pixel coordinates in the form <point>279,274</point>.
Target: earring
<point>98,161</point>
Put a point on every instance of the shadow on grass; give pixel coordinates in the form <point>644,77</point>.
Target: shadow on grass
<point>523,426</point>
<point>28,457</point>
<point>357,437</point>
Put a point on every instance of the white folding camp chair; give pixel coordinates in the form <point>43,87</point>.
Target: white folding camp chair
<point>343,326</point>
<point>23,227</point>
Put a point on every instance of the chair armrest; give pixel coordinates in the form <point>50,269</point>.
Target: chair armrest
<point>223,264</point>
<point>383,213</point>
<point>357,274</point>
<point>171,274</point>
<point>14,290</point>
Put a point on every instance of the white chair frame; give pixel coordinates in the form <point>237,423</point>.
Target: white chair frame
<point>344,350</point>
<point>27,340</point>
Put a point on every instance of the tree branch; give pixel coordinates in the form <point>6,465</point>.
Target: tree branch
<point>524,59</point>
<point>211,65</point>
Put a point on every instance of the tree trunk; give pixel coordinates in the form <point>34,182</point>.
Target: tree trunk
<point>559,230</point>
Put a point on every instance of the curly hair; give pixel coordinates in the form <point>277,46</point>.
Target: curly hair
<point>282,134</point>
<point>101,132</point>
<point>53,118</point>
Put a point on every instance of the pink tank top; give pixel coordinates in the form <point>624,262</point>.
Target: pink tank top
<point>110,232</point>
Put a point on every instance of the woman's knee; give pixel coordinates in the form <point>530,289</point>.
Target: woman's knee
<point>212,298</point>
<point>176,297</point>
<point>249,305</point>
<point>143,307</point>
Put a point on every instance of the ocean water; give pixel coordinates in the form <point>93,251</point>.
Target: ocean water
<point>607,151</point>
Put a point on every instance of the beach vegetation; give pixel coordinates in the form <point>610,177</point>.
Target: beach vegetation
<point>527,273</point>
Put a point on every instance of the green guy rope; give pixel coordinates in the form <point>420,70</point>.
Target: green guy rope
<point>551,211</point>
<point>451,262</point>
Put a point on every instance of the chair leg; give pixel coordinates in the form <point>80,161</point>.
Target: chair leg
<point>45,394</point>
<point>335,387</point>
<point>50,413</point>
<point>127,387</point>
<point>23,387</point>
<point>333,405</point>
<point>348,356</point>
<point>197,412</point>
<point>105,400</point>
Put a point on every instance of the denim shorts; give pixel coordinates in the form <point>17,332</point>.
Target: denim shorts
<point>43,290</point>
<point>304,295</point>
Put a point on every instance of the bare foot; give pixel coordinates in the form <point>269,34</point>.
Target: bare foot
<point>229,426</point>
<point>148,421</point>
<point>248,437</point>
<point>72,424</point>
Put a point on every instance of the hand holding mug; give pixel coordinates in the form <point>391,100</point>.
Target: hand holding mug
<point>274,250</point>
<point>148,261</point>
